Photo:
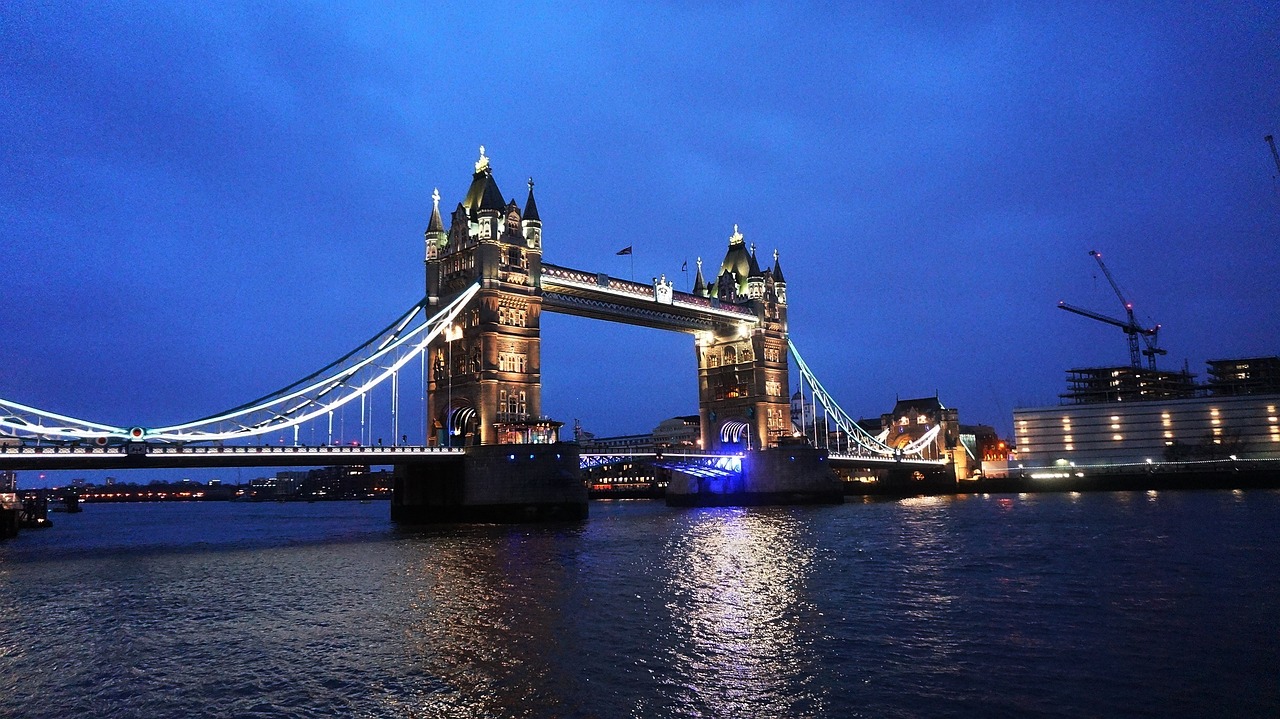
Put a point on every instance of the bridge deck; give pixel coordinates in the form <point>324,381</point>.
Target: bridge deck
<point>173,457</point>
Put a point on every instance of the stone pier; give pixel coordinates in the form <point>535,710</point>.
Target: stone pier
<point>784,475</point>
<point>494,483</point>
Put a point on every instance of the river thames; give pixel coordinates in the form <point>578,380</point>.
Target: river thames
<point>1052,605</point>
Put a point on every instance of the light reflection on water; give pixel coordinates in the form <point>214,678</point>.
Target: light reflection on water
<point>994,605</point>
<point>736,581</point>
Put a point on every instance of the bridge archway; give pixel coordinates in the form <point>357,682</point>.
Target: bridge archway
<point>458,426</point>
<point>735,433</point>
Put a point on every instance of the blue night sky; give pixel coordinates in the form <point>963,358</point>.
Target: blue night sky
<point>204,202</point>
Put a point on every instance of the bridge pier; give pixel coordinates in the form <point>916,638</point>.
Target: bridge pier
<point>783,475</point>
<point>492,483</point>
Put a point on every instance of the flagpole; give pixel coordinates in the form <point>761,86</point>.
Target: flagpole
<point>633,263</point>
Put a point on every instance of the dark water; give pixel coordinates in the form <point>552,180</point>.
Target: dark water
<point>1126,604</point>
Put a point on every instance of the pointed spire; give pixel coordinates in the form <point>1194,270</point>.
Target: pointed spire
<point>484,193</point>
<point>753,267</point>
<point>531,207</point>
<point>436,224</point>
<point>777,269</point>
<point>699,284</point>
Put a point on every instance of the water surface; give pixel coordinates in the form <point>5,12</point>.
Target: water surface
<point>1107,604</point>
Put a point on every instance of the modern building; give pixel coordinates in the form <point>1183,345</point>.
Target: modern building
<point>1133,416</point>
<point>678,432</point>
<point>1250,375</point>
<point>1180,429</point>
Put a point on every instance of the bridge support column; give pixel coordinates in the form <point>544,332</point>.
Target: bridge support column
<point>784,475</point>
<point>494,483</point>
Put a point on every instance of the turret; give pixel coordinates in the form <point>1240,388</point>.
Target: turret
<point>779,284</point>
<point>755,278</point>
<point>734,270</point>
<point>435,236</point>
<point>699,284</point>
<point>532,223</point>
<point>484,201</point>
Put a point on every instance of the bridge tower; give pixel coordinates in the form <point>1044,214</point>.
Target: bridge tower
<point>742,370</point>
<point>485,384</point>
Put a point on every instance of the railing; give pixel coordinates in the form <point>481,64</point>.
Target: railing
<point>125,450</point>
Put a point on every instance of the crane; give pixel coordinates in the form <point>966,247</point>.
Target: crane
<point>1132,330</point>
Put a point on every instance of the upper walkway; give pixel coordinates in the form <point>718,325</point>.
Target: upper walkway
<point>657,305</point>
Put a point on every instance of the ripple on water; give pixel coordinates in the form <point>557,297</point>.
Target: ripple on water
<point>1048,605</point>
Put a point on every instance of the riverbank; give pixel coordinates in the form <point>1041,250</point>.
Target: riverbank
<point>1073,481</point>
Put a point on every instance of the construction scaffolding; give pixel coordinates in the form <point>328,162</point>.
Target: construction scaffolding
<point>1092,385</point>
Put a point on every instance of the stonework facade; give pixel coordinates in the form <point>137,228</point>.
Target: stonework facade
<point>485,382</point>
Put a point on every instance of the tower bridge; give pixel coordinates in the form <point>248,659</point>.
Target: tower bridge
<point>476,340</point>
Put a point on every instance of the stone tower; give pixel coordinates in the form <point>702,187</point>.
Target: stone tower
<point>742,371</point>
<point>485,383</point>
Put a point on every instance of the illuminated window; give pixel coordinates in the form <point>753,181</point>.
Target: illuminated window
<point>922,419</point>
<point>512,362</point>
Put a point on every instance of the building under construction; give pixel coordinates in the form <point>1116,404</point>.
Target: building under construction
<point>1126,384</point>
<point>1226,378</point>
<point>1249,375</point>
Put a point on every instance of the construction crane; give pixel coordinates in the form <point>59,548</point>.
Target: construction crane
<point>1132,330</point>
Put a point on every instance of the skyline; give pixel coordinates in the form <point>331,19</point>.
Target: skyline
<point>207,202</point>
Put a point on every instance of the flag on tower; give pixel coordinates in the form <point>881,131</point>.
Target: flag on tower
<point>685,266</point>
<point>625,250</point>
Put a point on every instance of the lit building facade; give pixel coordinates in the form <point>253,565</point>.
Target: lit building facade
<point>485,379</point>
<point>742,373</point>
<point>1180,429</point>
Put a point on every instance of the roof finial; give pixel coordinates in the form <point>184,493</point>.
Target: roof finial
<point>775,254</point>
<point>699,264</point>
<point>736,237</point>
<point>435,197</point>
<point>530,184</point>
<point>483,163</point>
